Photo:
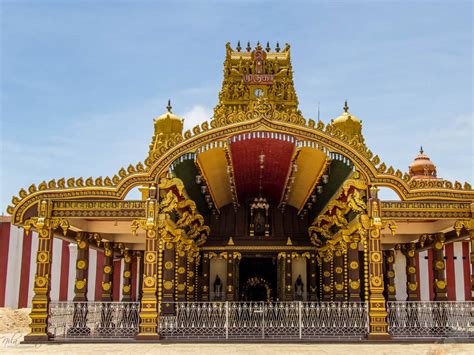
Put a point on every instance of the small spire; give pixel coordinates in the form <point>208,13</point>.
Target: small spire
<point>346,108</point>
<point>268,47</point>
<point>169,107</point>
<point>238,46</point>
<point>248,47</point>
<point>421,149</point>
<point>277,48</point>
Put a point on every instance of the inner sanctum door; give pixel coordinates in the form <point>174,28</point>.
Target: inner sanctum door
<point>258,278</point>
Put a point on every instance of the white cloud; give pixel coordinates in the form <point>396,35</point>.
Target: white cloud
<point>196,115</point>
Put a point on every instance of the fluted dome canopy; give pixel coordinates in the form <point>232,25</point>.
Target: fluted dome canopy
<point>349,124</point>
<point>422,167</point>
<point>168,123</point>
<point>168,132</point>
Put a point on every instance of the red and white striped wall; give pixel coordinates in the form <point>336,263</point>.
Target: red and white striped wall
<point>458,273</point>
<point>18,267</point>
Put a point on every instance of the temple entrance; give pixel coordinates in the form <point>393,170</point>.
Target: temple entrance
<point>257,279</point>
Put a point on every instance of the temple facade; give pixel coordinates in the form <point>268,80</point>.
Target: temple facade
<point>258,224</point>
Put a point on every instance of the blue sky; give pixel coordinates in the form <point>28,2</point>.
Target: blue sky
<point>81,81</point>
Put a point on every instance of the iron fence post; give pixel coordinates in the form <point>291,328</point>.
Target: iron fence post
<point>226,320</point>
<point>300,320</point>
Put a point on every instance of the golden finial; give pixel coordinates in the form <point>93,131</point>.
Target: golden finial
<point>421,149</point>
<point>346,108</point>
<point>238,46</point>
<point>277,48</point>
<point>268,47</point>
<point>169,107</point>
<point>248,47</point>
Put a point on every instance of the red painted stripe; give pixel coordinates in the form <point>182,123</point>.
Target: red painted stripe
<point>116,282</point>
<point>430,274</point>
<point>466,271</point>
<point>450,275</point>
<point>25,270</point>
<point>417,267</point>
<point>4,246</point>
<point>134,278</point>
<point>99,276</point>
<point>64,282</point>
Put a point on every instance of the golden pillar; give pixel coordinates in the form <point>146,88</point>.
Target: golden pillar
<point>313,280</point>
<point>377,307</point>
<point>190,276</point>
<point>82,267</point>
<point>205,277</point>
<point>288,277</point>
<point>439,283</point>
<point>167,302</point>
<point>338,272</point>
<point>389,258</point>
<point>127,276</point>
<point>353,269</point>
<point>412,283</point>
<point>181,261</point>
<point>107,273</point>
<point>326,269</point>
<point>45,225</point>
<point>148,328</point>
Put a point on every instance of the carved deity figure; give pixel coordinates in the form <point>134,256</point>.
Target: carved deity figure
<point>299,289</point>
<point>217,288</point>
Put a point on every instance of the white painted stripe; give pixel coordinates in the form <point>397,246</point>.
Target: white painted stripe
<point>56,269</point>
<point>424,276</point>
<point>122,265</point>
<point>34,250</point>
<point>91,274</point>
<point>15,247</point>
<point>400,276</point>
<point>72,271</point>
<point>458,271</point>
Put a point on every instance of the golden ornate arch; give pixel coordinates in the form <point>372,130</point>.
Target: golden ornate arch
<point>261,117</point>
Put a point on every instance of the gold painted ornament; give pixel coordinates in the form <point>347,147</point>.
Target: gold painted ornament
<point>42,257</point>
<point>169,265</point>
<point>354,265</point>
<point>149,281</point>
<point>168,285</point>
<point>81,264</point>
<point>107,269</point>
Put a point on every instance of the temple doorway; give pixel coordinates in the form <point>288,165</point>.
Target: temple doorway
<point>257,279</point>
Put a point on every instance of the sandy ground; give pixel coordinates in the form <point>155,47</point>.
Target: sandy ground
<point>14,326</point>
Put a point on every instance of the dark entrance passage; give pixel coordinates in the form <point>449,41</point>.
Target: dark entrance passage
<point>258,279</point>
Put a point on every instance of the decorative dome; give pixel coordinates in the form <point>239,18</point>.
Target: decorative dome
<point>422,167</point>
<point>349,124</point>
<point>168,123</point>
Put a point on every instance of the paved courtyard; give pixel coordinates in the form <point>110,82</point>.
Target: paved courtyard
<point>10,345</point>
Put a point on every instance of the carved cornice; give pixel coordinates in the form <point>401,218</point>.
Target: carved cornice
<point>425,210</point>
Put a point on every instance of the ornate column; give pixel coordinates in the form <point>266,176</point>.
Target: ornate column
<point>108,273</point>
<point>412,283</point>
<point>190,276</point>
<point>313,280</point>
<point>338,269</point>
<point>82,267</point>
<point>288,278</point>
<point>148,328</point>
<point>45,225</point>
<point>389,257</point>
<point>106,324</point>
<point>439,284</point>
<point>167,302</point>
<point>127,276</point>
<point>353,269</point>
<point>181,272</point>
<point>205,277</point>
<point>377,308</point>
<point>231,260</point>
<point>326,275</point>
